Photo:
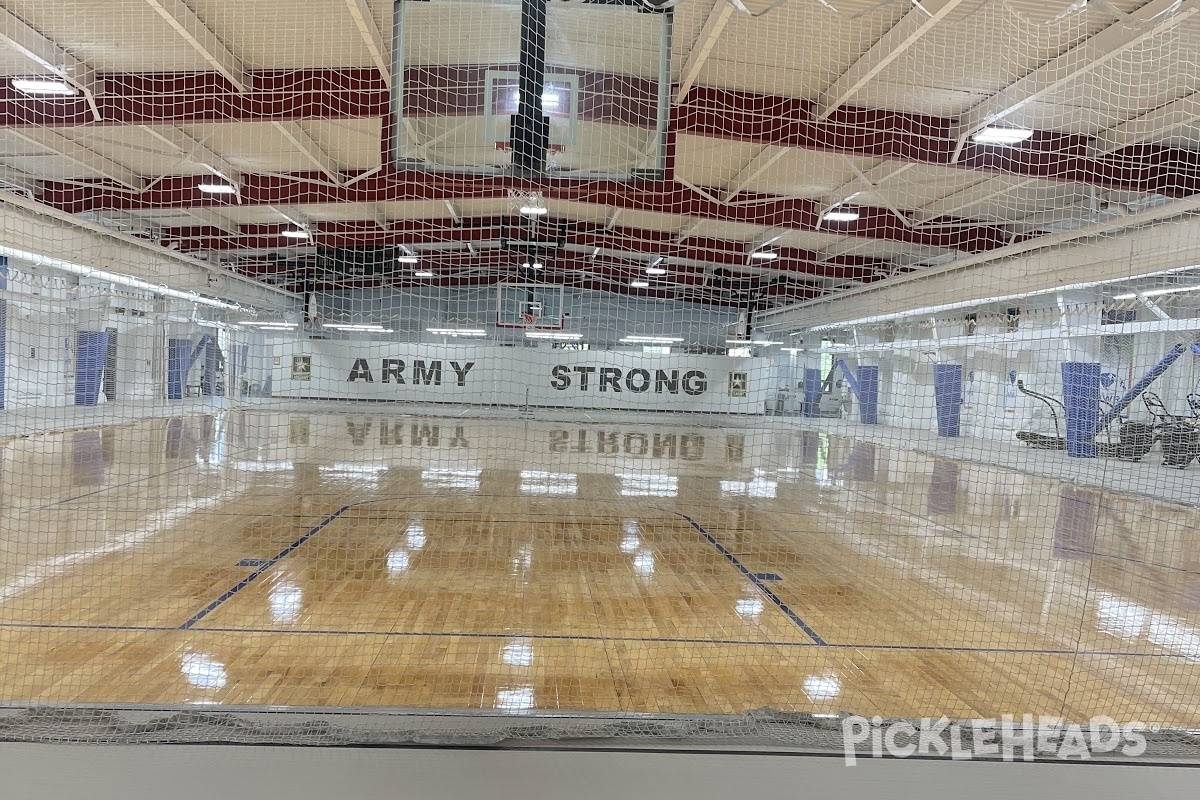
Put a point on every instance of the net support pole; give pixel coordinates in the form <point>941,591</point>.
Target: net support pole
<point>1081,396</point>
<point>530,134</point>
<point>947,398</point>
<point>3,326</point>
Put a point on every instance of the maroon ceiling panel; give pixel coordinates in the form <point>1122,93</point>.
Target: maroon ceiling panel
<point>350,92</point>
<point>653,196</point>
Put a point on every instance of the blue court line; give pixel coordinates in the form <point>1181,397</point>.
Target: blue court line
<point>753,578</point>
<point>244,582</point>
<point>768,576</point>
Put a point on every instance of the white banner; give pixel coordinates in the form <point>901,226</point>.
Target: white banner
<point>483,374</point>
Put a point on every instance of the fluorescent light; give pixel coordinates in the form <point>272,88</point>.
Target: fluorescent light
<point>556,335</point>
<point>268,324</point>
<point>1156,292</point>
<point>456,331</point>
<point>655,271</point>
<point>771,255</point>
<point>652,339</point>
<point>550,99</point>
<point>1009,136</point>
<point>111,277</point>
<point>422,273</point>
<point>533,265</point>
<point>44,86</point>
<point>408,259</point>
<point>217,188</point>
<point>291,233</point>
<point>760,342</point>
<point>639,284</point>
<point>842,215</point>
<point>534,211</point>
<point>983,301</point>
<point>365,328</point>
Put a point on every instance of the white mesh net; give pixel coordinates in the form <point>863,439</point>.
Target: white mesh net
<point>461,371</point>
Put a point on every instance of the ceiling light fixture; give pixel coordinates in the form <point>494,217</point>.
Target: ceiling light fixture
<point>456,331</point>
<point>639,284</point>
<point>217,188</point>
<point>292,233</point>
<point>1004,136</point>
<point>655,271</point>
<point>534,210</point>
<point>759,342</point>
<point>840,215</point>
<point>408,259</point>
<point>362,328</point>
<point>1156,292</point>
<point>771,255</point>
<point>555,335</point>
<point>36,86</point>
<point>422,273</point>
<point>533,265</point>
<point>651,340</point>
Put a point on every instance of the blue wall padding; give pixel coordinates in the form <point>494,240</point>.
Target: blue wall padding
<point>208,385</point>
<point>812,392</point>
<point>178,353</point>
<point>868,395</point>
<point>1081,396</point>
<point>947,395</point>
<point>90,349</point>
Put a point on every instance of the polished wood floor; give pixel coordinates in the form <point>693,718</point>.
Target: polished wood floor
<point>378,560</point>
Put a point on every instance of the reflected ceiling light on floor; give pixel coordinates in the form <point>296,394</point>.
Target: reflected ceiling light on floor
<point>216,188</point>
<point>43,86</point>
<point>1005,136</point>
<point>840,215</point>
<point>822,687</point>
<point>457,331</point>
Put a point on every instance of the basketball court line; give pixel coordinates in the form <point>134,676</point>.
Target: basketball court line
<point>244,582</point>
<point>827,647</point>
<point>753,578</point>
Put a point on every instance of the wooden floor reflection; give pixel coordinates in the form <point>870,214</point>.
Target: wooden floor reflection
<point>377,560</point>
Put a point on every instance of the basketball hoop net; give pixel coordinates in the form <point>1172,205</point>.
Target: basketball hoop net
<point>529,321</point>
